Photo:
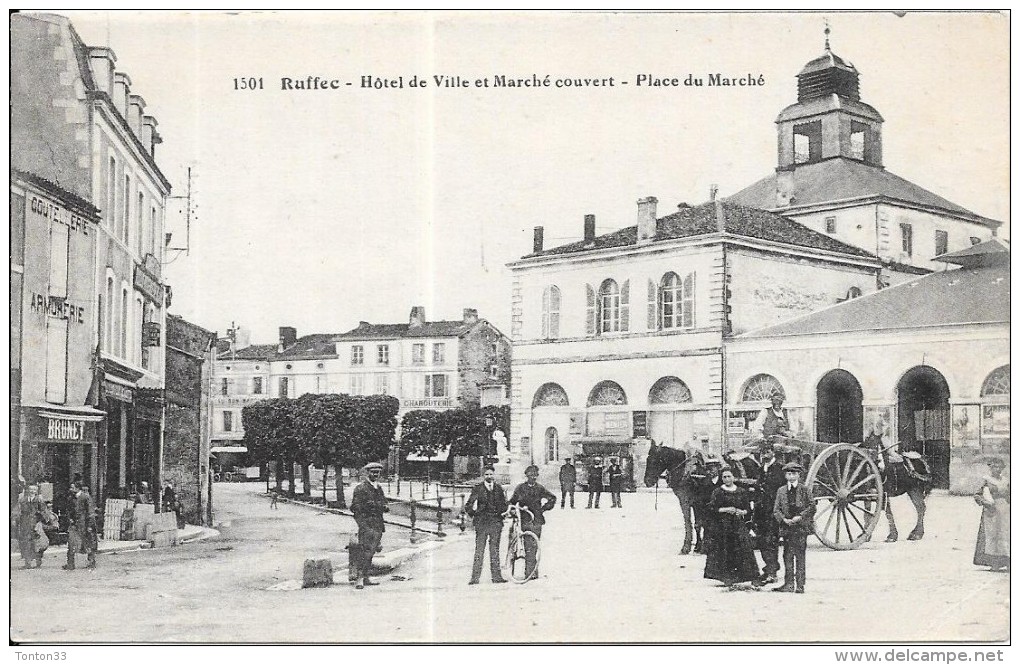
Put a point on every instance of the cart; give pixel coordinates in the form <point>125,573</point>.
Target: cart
<point>846,483</point>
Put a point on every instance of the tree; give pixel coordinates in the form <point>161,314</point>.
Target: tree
<point>257,422</point>
<point>282,431</point>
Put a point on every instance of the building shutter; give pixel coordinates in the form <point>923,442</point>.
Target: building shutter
<point>625,306</point>
<point>589,327</point>
<point>688,299</point>
<point>653,301</point>
<point>554,312</point>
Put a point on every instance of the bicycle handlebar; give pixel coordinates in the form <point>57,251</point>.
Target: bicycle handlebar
<point>510,509</point>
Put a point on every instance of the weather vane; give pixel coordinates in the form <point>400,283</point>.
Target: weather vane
<point>827,31</point>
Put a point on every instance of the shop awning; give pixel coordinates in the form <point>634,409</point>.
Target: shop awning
<point>228,449</point>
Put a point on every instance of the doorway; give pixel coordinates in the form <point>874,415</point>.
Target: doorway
<point>840,414</point>
<point>923,419</point>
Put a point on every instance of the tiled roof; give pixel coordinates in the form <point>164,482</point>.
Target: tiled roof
<point>838,179</point>
<point>319,345</point>
<point>702,219</point>
<point>989,252</point>
<point>946,298</point>
<point>253,352</point>
<point>368,330</point>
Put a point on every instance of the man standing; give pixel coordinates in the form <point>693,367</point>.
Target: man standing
<point>368,506</point>
<point>766,527</point>
<point>486,505</point>
<point>81,533</point>
<point>568,477</point>
<point>537,499</point>
<point>595,481</point>
<point>794,511</point>
<point>615,474</point>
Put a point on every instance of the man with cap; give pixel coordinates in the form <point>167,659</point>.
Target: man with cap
<point>774,420</point>
<point>595,481</point>
<point>794,512</point>
<point>615,473</point>
<point>568,477</point>
<point>81,533</point>
<point>537,499</point>
<point>368,506</point>
<point>770,480</point>
<point>486,505</point>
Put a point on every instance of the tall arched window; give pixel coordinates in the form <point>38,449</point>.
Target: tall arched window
<point>122,348</point>
<point>108,314</point>
<point>551,312</point>
<point>759,388</point>
<point>609,307</point>
<point>671,302</point>
<point>552,445</point>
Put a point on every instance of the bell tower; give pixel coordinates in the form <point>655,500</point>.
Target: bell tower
<point>829,119</point>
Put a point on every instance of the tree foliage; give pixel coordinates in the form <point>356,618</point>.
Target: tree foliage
<point>465,431</point>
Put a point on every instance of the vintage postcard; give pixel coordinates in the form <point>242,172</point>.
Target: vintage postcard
<point>511,327</point>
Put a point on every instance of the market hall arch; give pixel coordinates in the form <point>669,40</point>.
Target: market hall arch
<point>923,418</point>
<point>670,418</point>
<point>839,414</point>
<point>550,422</point>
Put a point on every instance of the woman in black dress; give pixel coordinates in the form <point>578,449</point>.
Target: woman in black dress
<point>730,554</point>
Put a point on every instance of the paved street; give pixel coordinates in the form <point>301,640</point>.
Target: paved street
<point>607,575</point>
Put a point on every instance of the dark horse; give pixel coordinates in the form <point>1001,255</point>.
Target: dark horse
<point>681,472</point>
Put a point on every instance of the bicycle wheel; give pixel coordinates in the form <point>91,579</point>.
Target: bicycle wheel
<point>514,561</point>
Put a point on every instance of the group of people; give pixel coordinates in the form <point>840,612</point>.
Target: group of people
<point>782,511</point>
<point>31,517</point>
<point>599,477</point>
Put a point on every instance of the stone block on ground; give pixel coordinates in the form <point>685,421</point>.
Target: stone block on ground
<point>317,573</point>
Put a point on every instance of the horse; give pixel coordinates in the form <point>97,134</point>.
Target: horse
<point>901,477</point>
<point>681,471</point>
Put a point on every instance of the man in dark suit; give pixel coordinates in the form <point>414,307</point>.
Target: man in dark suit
<point>368,506</point>
<point>81,533</point>
<point>595,470</point>
<point>486,505</point>
<point>531,495</point>
<point>766,527</point>
<point>795,512</point>
<point>568,477</point>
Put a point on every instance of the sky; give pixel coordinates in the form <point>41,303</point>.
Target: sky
<point>318,209</point>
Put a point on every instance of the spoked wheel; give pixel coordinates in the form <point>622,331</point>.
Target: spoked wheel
<point>847,488</point>
<point>514,563</point>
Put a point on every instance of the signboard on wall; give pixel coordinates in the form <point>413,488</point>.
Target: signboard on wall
<point>150,333</point>
<point>640,424</point>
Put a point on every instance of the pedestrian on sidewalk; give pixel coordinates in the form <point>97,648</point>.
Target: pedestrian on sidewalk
<point>82,536</point>
<point>28,517</point>
<point>368,506</point>
<point>766,527</point>
<point>486,505</point>
<point>568,477</point>
<point>794,511</point>
<point>595,481</point>
<point>615,473</point>
<point>531,495</point>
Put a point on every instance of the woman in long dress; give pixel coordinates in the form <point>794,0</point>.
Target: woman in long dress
<point>992,548</point>
<point>28,515</point>
<point>730,554</point>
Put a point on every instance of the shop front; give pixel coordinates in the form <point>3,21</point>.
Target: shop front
<point>60,446</point>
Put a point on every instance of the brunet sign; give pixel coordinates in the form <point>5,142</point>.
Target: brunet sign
<point>61,429</point>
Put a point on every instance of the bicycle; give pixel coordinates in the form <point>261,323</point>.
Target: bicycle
<point>514,560</point>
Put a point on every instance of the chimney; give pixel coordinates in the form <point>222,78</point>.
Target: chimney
<point>470,315</point>
<point>103,61</point>
<point>417,319</point>
<point>288,336</point>
<point>784,188</point>
<point>121,90</point>
<point>720,212</point>
<point>136,108</point>
<point>589,228</point>
<point>646,219</point>
<point>539,240</point>
<point>149,134</point>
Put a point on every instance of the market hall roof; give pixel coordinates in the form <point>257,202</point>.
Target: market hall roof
<point>948,298</point>
<point>839,180</point>
<point>701,220</point>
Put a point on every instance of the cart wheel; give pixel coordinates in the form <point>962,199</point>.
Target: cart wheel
<point>216,478</point>
<point>228,476</point>
<point>847,488</point>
